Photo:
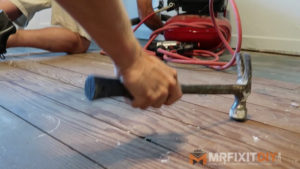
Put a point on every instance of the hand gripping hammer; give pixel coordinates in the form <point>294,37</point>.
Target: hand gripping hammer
<point>99,87</point>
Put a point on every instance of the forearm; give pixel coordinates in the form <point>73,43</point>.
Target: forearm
<point>108,23</point>
<point>144,9</point>
<point>150,81</point>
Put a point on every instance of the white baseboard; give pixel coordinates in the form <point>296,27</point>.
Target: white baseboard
<point>270,44</point>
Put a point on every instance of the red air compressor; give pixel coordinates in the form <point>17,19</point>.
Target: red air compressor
<point>199,32</point>
<point>197,12</point>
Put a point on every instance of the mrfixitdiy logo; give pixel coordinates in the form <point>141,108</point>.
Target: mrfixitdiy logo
<point>223,158</point>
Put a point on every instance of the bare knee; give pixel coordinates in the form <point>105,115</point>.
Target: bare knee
<point>78,44</point>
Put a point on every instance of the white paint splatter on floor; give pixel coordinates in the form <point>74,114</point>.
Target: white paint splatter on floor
<point>295,105</point>
<point>164,158</point>
<point>118,143</point>
<point>52,130</point>
<point>255,139</point>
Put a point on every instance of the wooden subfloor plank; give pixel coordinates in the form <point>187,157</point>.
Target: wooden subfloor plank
<point>283,119</point>
<point>273,110</point>
<point>283,104</point>
<point>185,76</point>
<point>271,63</point>
<point>261,95</point>
<point>142,123</point>
<point>105,144</point>
<point>256,80</point>
<point>21,147</point>
<point>197,77</point>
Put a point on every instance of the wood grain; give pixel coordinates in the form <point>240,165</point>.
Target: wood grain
<point>266,100</point>
<point>101,142</point>
<point>21,147</point>
<point>276,111</point>
<point>258,80</point>
<point>277,89</point>
<point>145,124</point>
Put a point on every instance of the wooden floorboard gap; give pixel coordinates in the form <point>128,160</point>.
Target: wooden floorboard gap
<point>132,132</point>
<point>60,141</point>
<point>98,119</point>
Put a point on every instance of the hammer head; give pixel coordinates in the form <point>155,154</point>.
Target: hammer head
<point>238,110</point>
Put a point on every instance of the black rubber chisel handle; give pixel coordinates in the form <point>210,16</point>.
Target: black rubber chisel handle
<point>100,87</point>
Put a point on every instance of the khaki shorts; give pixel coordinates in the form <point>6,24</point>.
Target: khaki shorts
<point>59,16</point>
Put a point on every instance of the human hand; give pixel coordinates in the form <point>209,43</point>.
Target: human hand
<point>150,82</point>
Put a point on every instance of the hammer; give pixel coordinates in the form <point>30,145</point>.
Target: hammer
<point>100,87</point>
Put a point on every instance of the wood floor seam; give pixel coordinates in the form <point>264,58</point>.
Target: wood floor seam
<point>48,92</point>
<point>58,140</point>
<point>138,136</point>
<point>103,121</point>
<point>247,119</point>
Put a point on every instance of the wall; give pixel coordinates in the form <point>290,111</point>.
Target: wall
<point>271,25</point>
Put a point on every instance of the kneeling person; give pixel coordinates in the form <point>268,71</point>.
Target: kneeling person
<point>66,35</point>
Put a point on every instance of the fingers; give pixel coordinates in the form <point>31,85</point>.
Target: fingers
<point>154,99</point>
<point>166,94</point>
<point>161,99</point>
<point>151,83</point>
<point>175,92</point>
